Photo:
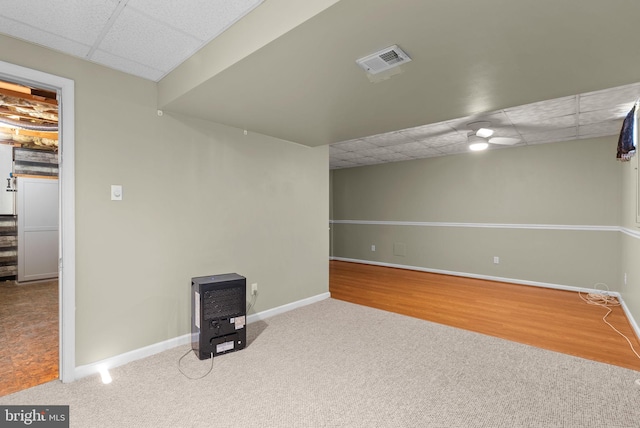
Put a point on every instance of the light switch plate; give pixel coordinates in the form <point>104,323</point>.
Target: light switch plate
<point>116,192</point>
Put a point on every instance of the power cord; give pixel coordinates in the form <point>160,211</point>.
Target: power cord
<point>186,375</point>
<point>253,301</point>
<point>606,301</point>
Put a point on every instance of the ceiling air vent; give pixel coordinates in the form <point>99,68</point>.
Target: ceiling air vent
<point>383,60</point>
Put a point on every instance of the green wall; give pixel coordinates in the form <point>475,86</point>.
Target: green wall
<point>199,198</point>
<point>550,212</point>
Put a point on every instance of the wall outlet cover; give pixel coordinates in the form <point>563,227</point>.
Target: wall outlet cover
<point>116,192</point>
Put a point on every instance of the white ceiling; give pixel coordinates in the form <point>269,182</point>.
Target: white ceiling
<point>147,38</point>
<point>540,71</point>
<point>588,115</point>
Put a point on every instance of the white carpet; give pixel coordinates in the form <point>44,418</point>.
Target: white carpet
<point>335,364</point>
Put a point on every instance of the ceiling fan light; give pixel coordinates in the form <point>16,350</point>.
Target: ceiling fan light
<point>476,147</point>
<point>484,132</point>
<point>504,141</point>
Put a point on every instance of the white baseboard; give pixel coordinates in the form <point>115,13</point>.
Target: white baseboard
<point>286,308</point>
<point>147,351</point>
<point>632,320</point>
<point>500,279</point>
<point>127,357</point>
<point>472,275</point>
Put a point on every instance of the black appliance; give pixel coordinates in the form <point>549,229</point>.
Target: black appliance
<point>218,314</point>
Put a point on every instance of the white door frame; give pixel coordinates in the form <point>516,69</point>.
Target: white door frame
<point>66,205</point>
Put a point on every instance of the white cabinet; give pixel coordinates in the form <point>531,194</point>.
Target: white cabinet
<point>6,166</point>
<point>37,206</point>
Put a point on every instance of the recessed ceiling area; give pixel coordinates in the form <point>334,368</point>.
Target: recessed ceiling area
<point>588,115</point>
<point>540,71</point>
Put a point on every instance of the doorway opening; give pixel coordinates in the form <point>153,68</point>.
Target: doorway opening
<point>64,90</point>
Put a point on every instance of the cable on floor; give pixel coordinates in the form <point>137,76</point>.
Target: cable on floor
<point>606,301</point>
<point>253,302</point>
<point>186,375</point>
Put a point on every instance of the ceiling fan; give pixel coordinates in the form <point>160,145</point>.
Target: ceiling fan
<point>480,135</point>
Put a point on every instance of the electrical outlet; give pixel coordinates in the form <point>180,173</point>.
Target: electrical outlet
<point>496,260</point>
<point>625,278</point>
<point>373,248</point>
<point>254,288</point>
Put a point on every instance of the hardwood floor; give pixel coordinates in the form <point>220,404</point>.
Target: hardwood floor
<point>546,318</point>
<point>28,335</point>
<point>552,319</point>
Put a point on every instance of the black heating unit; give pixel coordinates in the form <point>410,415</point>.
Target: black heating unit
<point>218,314</point>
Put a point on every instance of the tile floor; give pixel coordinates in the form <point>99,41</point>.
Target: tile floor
<point>28,334</point>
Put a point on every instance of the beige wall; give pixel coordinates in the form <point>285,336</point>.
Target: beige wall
<point>570,184</point>
<point>238,42</point>
<point>199,199</point>
<point>575,182</point>
<point>331,213</point>
<point>631,239</point>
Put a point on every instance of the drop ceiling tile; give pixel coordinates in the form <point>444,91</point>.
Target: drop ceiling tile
<point>160,34</point>
<point>203,19</point>
<point>416,150</point>
<point>544,122</point>
<point>367,161</point>
<point>496,118</point>
<point>43,38</point>
<point>379,152</point>
<point>427,131</point>
<point>547,124</point>
<point>394,157</point>
<point>388,139</point>
<point>141,39</point>
<point>615,113</point>
<point>454,149</point>
<point>532,113</point>
<point>444,140</point>
<point>425,154</point>
<point>127,66</point>
<point>333,149</point>
<point>354,145</point>
<point>599,100</point>
<point>341,164</point>
<point>600,129</point>
<point>76,20</point>
<point>551,136</point>
<point>505,131</point>
<point>412,147</point>
<point>346,156</point>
